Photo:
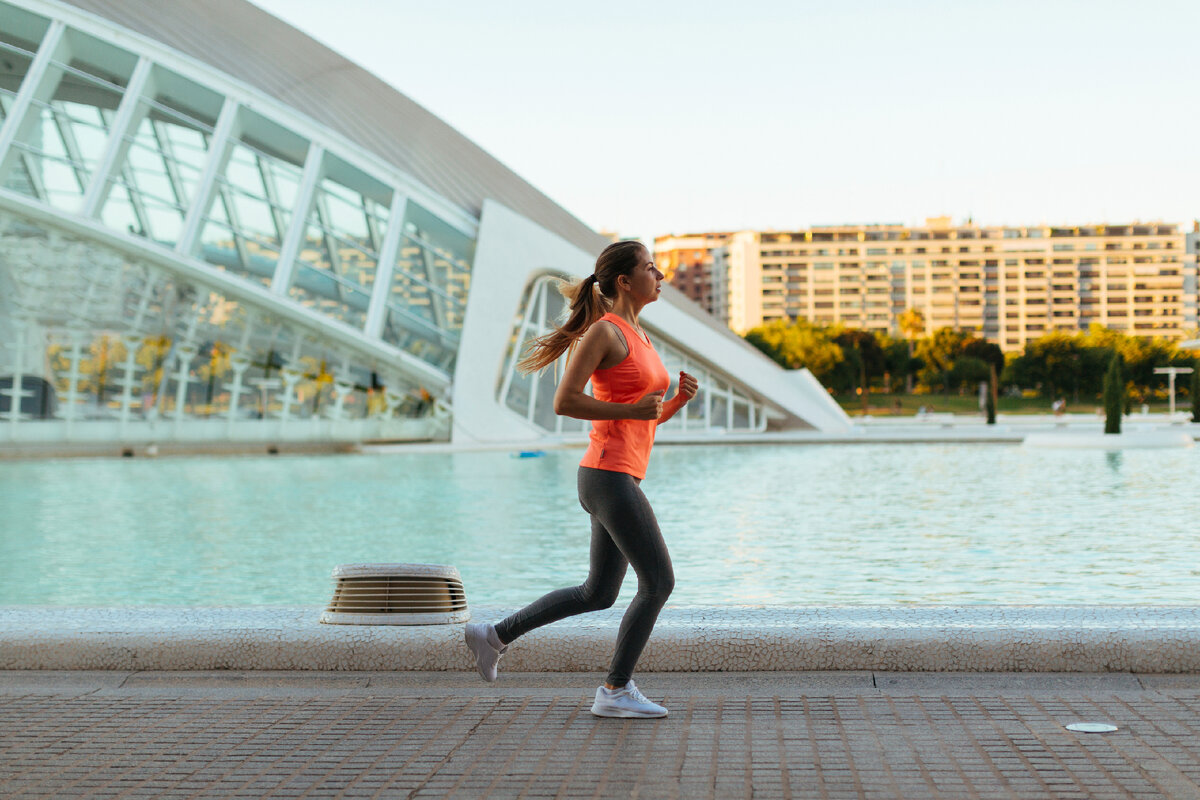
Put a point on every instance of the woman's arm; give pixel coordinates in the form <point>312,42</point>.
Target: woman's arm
<point>599,348</point>
<point>686,390</point>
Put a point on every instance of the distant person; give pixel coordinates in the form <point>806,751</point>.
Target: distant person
<point>628,381</point>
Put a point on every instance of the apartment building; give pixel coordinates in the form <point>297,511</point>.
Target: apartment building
<point>1007,284</point>
<point>687,262</point>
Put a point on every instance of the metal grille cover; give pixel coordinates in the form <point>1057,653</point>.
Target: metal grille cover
<point>396,594</point>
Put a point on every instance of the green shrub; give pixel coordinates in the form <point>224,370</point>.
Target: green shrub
<point>1114,395</point>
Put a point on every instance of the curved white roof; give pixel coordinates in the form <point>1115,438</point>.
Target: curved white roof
<point>261,50</point>
<point>252,46</point>
<point>262,63</point>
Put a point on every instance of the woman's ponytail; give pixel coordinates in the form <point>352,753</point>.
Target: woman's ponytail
<point>588,299</point>
<point>587,305</point>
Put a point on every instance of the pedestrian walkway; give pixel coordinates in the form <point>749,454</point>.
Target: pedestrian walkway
<point>730,735</point>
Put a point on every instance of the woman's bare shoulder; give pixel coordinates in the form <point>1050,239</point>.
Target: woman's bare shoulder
<point>609,340</point>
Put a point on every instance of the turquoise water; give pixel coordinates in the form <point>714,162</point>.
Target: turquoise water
<point>860,524</point>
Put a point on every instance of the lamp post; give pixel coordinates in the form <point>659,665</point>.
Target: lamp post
<point>1171,372</point>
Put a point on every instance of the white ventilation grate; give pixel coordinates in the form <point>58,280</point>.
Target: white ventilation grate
<point>396,594</point>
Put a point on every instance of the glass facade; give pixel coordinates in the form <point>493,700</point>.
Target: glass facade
<point>720,405</point>
<point>250,212</point>
<point>64,131</point>
<point>428,297</point>
<point>167,150</point>
<point>336,267</point>
<point>100,131</point>
<point>136,344</point>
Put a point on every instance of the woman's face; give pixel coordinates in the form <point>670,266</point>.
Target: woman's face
<point>645,281</point>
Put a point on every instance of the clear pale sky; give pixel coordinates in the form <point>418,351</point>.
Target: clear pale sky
<point>658,117</point>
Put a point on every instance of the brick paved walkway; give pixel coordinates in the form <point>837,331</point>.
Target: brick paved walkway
<point>761,735</point>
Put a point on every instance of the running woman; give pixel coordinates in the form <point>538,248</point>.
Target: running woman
<point>628,383</point>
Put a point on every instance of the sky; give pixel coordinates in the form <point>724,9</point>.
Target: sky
<point>647,118</point>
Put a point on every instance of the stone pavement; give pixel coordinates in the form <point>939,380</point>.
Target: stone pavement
<point>730,735</point>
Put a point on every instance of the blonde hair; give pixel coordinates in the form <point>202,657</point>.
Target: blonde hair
<point>589,300</point>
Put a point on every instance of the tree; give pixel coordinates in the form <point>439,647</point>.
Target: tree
<point>939,352</point>
<point>1054,363</point>
<point>215,368</point>
<point>770,338</point>
<point>968,371</point>
<point>797,344</point>
<point>863,352</point>
<point>912,325</point>
<point>986,352</point>
<point>1114,395</point>
<point>1194,391</point>
<point>898,364</point>
<point>151,357</point>
<point>104,354</point>
<point>993,359</point>
<point>990,406</point>
<point>1093,364</point>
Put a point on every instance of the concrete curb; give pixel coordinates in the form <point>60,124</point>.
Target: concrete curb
<point>1156,639</point>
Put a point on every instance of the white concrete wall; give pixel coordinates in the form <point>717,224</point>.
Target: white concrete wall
<point>510,251</point>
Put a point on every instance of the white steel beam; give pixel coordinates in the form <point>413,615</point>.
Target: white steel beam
<point>321,209</point>
<point>120,134</point>
<point>526,323</point>
<point>39,85</point>
<point>62,123</point>
<point>285,267</point>
<point>170,161</point>
<point>219,148</point>
<point>225,196</point>
<point>382,288</point>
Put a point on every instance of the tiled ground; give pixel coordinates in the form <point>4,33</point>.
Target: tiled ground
<point>761,735</point>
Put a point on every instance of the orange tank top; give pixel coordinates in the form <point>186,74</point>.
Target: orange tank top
<point>623,445</point>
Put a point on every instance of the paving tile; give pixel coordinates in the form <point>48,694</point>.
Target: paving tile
<point>824,735</point>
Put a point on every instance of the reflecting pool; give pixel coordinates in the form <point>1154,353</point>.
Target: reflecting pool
<point>859,524</point>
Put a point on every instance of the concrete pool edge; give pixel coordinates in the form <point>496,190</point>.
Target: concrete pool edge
<point>1140,639</point>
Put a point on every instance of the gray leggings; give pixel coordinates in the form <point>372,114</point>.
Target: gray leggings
<point>624,532</point>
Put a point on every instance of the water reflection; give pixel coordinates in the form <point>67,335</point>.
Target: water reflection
<point>786,525</point>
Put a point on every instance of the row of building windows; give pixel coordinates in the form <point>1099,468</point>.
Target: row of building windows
<point>884,251</point>
<point>900,233</point>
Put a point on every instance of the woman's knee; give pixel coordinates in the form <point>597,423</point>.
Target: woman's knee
<point>599,598</point>
<point>659,584</point>
<point>668,582</point>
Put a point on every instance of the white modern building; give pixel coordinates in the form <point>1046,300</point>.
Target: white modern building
<point>215,229</point>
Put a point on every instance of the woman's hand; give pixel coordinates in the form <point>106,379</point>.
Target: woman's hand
<point>688,386</point>
<point>649,407</point>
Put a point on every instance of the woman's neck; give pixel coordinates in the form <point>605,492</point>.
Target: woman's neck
<point>627,310</point>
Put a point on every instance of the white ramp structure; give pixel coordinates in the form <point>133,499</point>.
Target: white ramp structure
<point>214,229</point>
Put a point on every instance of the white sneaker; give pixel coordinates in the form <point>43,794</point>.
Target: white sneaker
<point>625,702</point>
<point>487,647</point>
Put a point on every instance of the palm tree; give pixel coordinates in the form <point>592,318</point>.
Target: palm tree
<point>912,324</point>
